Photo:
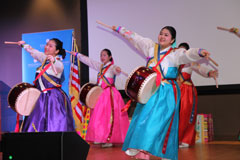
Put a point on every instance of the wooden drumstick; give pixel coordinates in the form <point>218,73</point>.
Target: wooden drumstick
<point>216,82</point>
<point>67,51</point>
<point>8,42</point>
<point>54,69</point>
<point>215,63</point>
<point>105,25</point>
<point>222,28</point>
<point>71,52</point>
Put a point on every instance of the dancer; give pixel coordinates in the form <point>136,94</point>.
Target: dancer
<point>53,110</point>
<point>188,102</point>
<point>107,124</point>
<point>154,126</point>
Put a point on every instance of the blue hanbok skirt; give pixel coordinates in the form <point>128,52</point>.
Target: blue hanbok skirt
<point>154,125</point>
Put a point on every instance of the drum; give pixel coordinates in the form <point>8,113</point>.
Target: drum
<point>23,97</point>
<point>89,94</point>
<point>141,84</point>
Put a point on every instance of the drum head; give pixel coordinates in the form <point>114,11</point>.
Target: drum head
<point>147,89</point>
<point>26,101</point>
<point>92,96</point>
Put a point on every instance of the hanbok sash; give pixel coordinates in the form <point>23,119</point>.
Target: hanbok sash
<point>181,78</point>
<point>42,70</point>
<point>157,68</point>
<point>101,74</point>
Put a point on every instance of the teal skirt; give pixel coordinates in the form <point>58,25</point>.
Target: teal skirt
<point>154,125</point>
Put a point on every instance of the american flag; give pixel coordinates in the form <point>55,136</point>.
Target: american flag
<point>74,88</point>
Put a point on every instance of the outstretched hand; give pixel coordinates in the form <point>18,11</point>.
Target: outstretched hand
<point>71,52</point>
<point>52,61</point>
<point>205,53</point>
<point>213,74</point>
<point>114,28</point>
<point>233,30</point>
<point>21,43</point>
<point>50,58</point>
<point>118,70</point>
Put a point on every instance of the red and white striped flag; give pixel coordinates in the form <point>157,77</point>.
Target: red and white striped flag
<point>74,88</point>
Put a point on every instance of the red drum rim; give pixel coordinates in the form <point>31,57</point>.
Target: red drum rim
<point>129,77</point>
<point>150,76</point>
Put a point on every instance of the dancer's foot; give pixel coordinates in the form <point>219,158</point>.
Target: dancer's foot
<point>142,155</point>
<point>107,145</point>
<point>183,145</point>
<point>132,152</point>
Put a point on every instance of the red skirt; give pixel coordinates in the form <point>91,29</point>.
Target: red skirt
<point>187,114</point>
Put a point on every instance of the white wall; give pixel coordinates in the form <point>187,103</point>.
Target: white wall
<point>195,22</point>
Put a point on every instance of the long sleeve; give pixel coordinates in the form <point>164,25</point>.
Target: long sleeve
<point>89,62</point>
<point>114,71</point>
<point>183,56</point>
<point>58,65</point>
<point>39,56</point>
<point>200,69</point>
<point>96,65</point>
<point>140,43</point>
<point>146,46</point>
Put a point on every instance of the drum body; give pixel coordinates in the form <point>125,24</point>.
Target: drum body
<point>89,94</point>
<point>23,97</point>
<point>141,84</point>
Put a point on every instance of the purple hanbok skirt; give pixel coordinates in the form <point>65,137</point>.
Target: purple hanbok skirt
<point>52,112</point>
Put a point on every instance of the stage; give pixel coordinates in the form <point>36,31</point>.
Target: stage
<point>216,150</point>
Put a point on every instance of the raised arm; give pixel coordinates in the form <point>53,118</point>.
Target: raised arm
<point>183,56</point>
<point>201,70</point>
<point>205,72</point>
<point>140,43</point>
<point>39,56</point>
<point>86,60</point>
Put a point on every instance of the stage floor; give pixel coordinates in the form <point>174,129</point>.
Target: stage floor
<point>216,150</point>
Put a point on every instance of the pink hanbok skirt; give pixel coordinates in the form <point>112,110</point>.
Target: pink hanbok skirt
<point>107,123</point>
